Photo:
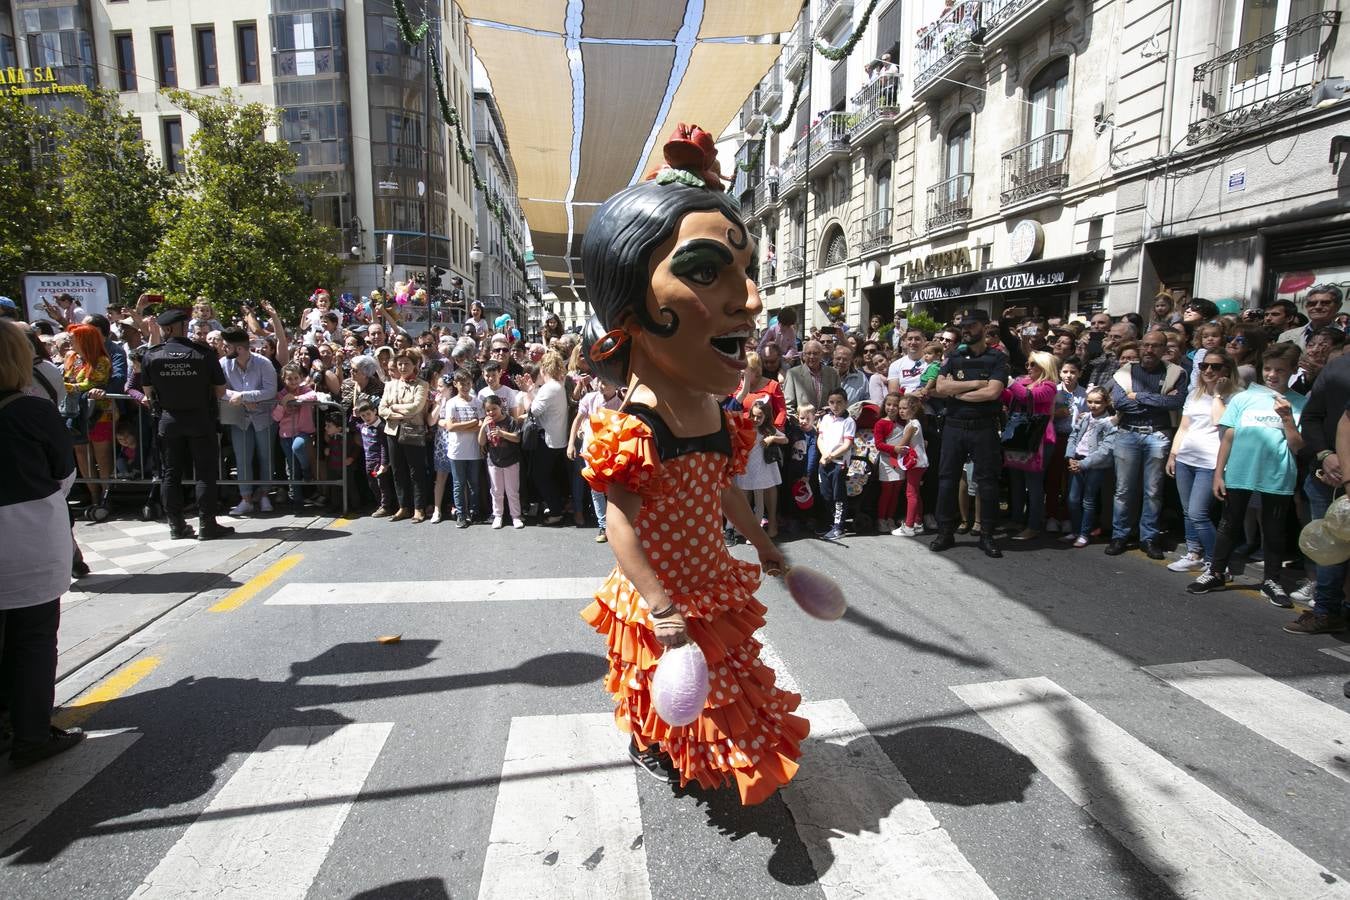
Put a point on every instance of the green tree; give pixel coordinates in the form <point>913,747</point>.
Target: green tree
<point>26,208</point>
<point>110,191</point>
<point>239,229</point>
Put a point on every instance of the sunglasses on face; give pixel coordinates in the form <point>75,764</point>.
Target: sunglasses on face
<point>1238,339</point>
<point>1211,367</point>
<point>1311,303</point>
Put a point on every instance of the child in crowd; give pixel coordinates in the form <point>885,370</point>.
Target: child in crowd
<point>339,453</point>
<point>604,396</point>
<point>130,463</point>
<point>762,476</point>
<point>294,415</point>
<point>462,417</point>
<point>932,361</point>
<point>440,455</point>
<point>1089,456</point>
<point>492,375</point>
<point>1070,405</point>
<point>499,437</point>
<point>913,461</point>
<point>886,435</point>
<point>1209,337</point>
<point>835,440</point>
<point>1260,438</point>
<point>375,447</point>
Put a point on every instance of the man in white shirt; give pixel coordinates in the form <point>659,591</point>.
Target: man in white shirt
<point>904,374</point>
<point>1322,304</point>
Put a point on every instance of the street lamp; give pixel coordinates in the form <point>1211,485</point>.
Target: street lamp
<point>476,257</point>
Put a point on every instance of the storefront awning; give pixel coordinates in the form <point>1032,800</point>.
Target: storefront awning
<point>1041,275</point>
<point>590,89</point>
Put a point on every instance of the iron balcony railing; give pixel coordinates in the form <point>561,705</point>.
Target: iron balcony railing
<point>1040,166</point>
<point>830,9</point>
<point>828,135</point>
<point>875,233</point>
<point>771,89</point>
<point>956,31</point>
<point>878,100</point>
<point>1000,11</point>
<point>766,194</point>
<point>791,264</point>
<point>949,201</point>
<point>796,50</point>
<point>1263,80</point>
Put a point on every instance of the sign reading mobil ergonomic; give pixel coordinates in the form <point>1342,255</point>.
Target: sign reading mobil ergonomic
<point>92,290</point>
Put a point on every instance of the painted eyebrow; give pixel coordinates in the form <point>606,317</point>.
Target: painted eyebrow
<point>699,252</point>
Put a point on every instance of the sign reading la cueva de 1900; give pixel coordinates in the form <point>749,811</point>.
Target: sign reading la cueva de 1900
<point>934,265</point>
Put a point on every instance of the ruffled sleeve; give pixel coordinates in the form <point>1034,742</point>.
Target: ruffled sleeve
<point>621,451</point>
<point>743,440</point>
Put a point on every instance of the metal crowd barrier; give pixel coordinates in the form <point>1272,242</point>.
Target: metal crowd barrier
<point>146,469</point>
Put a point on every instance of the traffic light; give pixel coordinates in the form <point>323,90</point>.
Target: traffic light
<point>436,273</point>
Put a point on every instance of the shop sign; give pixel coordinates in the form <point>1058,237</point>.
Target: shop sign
<point>934,265</point>
<point>1020,281</point>
<point>1237,181</point>
<point>33,82</point>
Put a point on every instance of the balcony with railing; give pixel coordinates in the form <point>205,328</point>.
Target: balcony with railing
<point>766,197</point>
<point>949,202</point>
<point>791,265</point>
<point>751,119</point>
<point>828,140</point>
<point>1038,169</point>
<point>875,233</point>
<point>771,91</point>
<point>874,107</point>
<point>1262,81</point>
<point>1011,20</point>
<point>797,50</point>
<point>791,171</point>
<point>832,13</point>
<point>948,49</point>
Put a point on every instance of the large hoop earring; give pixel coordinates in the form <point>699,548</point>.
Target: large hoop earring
<point>610,343</point>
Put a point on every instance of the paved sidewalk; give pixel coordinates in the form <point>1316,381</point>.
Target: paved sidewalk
<point>139,575</point>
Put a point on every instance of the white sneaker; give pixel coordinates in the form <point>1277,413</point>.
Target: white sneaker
<point>264,504</point>
<point>1187,563</point>
<point>904,531</point>
<point>242,508</point>
<point>436,517</point>
<point>1305,593</point>
<point>497,522</point>
<point>517,522</point>
<point>1052,526</point>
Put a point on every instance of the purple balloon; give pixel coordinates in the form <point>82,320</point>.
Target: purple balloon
<point>817,594</point>
<point>680,685</point>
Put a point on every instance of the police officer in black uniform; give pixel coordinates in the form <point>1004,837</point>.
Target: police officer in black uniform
<point>185,383</point>
<point>971,381</point>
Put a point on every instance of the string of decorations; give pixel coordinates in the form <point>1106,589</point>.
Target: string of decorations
<point>495,204</point>
<point>843,51</point>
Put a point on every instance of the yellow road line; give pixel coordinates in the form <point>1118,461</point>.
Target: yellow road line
<point>110,689</point>
<point>255,585</point>
<point>340,523</point>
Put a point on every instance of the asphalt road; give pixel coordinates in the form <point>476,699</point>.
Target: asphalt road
<point>981,728</point>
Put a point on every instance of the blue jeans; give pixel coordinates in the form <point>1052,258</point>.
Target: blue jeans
<point>467,490</point>
<point>1329,599</point>
<point>296,451</point>
<point>1196,487</point>
<point>246,441</point>
<point>1140,462</point>
<point>1026,498</point>
<point>1085,486</point>
<point>600,503</point>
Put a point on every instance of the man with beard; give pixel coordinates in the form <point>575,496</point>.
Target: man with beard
<point>971,381</point>
<point>771,362</point>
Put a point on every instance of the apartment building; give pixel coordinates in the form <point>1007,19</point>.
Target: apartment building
<point>500,283</point>
<point>1058,156</point>
<point>353,97</point>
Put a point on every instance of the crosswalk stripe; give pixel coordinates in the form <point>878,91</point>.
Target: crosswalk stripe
<point>30,795</point>
<point>567,821</point>
<point>908,855</point>
<point>308,776</point>
<point>1303,725</point>
<point>1192,838</point>
<point>768,655</point>
<point>1342,653</point>
<point>467,591</point>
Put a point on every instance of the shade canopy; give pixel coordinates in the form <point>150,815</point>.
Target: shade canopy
<point>589,90</point>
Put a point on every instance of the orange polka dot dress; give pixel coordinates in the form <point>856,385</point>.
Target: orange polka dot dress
<point>747,731</point>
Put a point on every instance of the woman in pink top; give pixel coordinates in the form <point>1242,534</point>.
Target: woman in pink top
<point>294,415</point>
<point>1032,394</point>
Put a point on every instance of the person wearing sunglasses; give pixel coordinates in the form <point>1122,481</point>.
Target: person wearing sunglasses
<point>1244,347</point>
<point>1195,454</point>
<point>1322,303</point>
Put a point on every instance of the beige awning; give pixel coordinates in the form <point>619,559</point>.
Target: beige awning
<point>584,124</point>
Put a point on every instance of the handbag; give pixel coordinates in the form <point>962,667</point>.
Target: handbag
<point>532,434</point>
<point>1023,433</point>
<point>412,434</point>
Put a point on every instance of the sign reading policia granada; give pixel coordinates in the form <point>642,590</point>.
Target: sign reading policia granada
<point>16,81</point>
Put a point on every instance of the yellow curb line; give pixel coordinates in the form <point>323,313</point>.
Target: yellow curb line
<point>255,585</point>
<point>110,689</point>
<point>341,523</point>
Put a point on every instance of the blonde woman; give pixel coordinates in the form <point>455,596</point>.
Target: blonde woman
<point>1195,454</point>
<point>1031,396</point>
<point>548,406</point>
<point>403,407</point>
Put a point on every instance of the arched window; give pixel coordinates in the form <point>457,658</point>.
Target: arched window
<point>881,195</point>
<point>957,159</point>
<point>1048,99</point>
<point>836,247</point>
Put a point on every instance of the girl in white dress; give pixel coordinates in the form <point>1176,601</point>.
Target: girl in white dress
<point>762,474</point>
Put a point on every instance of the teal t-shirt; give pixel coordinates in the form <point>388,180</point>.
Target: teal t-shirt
<point>1260,459</point>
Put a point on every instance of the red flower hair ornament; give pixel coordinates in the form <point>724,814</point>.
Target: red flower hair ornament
<point>691,158</point>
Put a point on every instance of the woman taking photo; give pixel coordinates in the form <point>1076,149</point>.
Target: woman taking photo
<point>548,406</point>
<point>36,454</point>
<point>1033,395</point>
<point>87,370</point>
<point>403,408</point>
<point>1195,453</point>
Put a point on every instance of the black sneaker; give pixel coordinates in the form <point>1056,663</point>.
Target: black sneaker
<point>1115,548</point>
<point>654,763</point>
<point>942,542</point>
<point>1154,549</point>
<point>209,531</point>
<point>79,569</point>
<point>1209,580</point>
<point>26,753</point>
<point>181,531</point>
<point>462,522</point>
<point>1273,591</point>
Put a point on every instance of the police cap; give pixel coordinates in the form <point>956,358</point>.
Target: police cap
<point>172,316</point>
<point>973,315</point>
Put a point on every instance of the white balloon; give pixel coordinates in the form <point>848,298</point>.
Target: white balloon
<point>680,685</point>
